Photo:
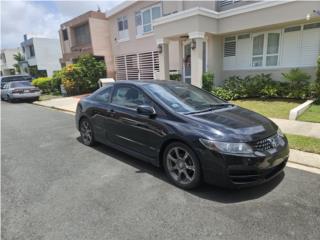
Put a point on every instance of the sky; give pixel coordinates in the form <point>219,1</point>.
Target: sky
<point>41,18</point>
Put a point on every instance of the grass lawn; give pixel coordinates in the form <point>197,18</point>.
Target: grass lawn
<point>44,97</point>
<point>274,108</point>
<point>306,144</point>
<point>311,115</point>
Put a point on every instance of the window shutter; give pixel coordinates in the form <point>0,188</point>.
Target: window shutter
<point>137,66</point>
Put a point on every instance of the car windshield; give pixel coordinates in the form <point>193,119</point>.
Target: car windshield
<point>20,84</point>
<point>183,98</point>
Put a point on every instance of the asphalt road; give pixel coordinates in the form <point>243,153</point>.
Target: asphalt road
<point>53,187</point>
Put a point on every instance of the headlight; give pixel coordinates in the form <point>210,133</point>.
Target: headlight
<point>280,133</point>
<point>226,147</point>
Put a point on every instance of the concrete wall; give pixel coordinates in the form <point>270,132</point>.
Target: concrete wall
<point>271,16</point>
<point>47,54</point>
<point>145,43</point>
<point>101,42</point>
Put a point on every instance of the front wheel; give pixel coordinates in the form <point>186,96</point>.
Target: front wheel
<point>182,166</point>
<point>86,132</point>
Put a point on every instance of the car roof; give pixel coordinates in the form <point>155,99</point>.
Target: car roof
<point>144,82</point>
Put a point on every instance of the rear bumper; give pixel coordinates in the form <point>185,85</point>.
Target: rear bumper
<point>24,95</point>
<point>238,171</point>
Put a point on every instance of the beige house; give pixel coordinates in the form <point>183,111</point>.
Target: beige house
<point>87,33</point>
<point>153,39</point>
<point>7,61</point>
<point>150,39</point>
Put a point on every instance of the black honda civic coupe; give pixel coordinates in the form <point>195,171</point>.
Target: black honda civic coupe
<point>189,132</point>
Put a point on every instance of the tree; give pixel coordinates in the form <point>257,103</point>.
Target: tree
<point>19,58</point>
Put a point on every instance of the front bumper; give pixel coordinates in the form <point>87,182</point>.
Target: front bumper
<point>242,171</point>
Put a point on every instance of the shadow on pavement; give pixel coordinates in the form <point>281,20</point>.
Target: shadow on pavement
<point>205,191</point>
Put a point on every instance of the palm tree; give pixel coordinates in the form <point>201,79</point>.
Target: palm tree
<point>19,58</point>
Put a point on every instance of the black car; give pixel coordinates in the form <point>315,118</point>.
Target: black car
<point>189,132</point>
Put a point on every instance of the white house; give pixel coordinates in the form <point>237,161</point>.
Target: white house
<point>42,53</point>
<point>7,60</point>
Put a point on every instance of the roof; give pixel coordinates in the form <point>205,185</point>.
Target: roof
<point>143,82</point>
<point>120,7</point>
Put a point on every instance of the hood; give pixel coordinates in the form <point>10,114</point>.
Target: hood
<point>233,124</point>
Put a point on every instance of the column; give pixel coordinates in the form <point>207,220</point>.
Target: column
<point>197,39</point>
<point>163,48</point>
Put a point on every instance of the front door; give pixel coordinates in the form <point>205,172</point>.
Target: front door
<point>187,62</point>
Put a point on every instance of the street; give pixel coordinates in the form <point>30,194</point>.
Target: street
<point>54,187</point>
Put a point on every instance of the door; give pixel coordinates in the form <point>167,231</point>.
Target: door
<point>136,132</point>
<point>100,114</point>
<point>187,62</point>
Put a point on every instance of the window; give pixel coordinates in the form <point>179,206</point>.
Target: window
<point>82,34</point>
<point>229,46</point>
<point>104,95</point>
<point>145,17</point>
<point>311,26</point>
<point>130,97</point>
<point>123,27</point>
<point>265,50</point>
<point>292,29</point>
<point>31,49</point>
<point>65,34</point>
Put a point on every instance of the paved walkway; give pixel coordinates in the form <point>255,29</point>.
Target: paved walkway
<point>298,127</point>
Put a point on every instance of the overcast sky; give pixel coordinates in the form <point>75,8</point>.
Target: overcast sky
<point>41,17</point>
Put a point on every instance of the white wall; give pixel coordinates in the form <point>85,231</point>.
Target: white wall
<point>9,60</point>
<point>47,54</point>
<point>296,49</point>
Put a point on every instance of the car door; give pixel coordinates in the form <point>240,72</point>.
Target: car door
<point>99,113</point>
<point>131,130</point>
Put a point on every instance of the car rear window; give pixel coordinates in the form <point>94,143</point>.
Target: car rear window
<point>16,78</point>
<point>20,84</point>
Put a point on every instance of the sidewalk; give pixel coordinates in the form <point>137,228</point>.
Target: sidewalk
<point>68,104</point>
<point>298,127</point>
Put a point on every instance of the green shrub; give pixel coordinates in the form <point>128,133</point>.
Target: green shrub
<point>91,70</point>
<point>260,85</point>
<point>56,81</point>
<point>44,83</point>
<point>175,77</point>
<point>298,83</point>
<point>316,85</point>
<point>207,81</point>
<point>223,93</point>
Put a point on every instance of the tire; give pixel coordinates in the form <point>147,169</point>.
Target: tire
<point>9,99</point>
<point>35,99</point>
<point>182,165</point>
<point>86,132</point>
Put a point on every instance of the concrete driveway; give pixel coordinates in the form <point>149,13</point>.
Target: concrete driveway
<point>53,187</point>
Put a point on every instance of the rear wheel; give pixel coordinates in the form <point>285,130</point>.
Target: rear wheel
<point>182,166</point>
<point>86,132</point>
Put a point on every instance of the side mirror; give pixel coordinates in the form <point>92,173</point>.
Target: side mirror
<point>146,110</point>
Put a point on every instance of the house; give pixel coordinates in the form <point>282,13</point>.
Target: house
<point>8,61</point>
<point>150,39</point>
<point>41,55</point>
<point>87,33</point>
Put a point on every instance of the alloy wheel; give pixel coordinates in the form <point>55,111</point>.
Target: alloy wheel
<point>86,133</point>
<point>181,165</point>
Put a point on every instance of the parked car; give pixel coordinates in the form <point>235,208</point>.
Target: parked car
<point>189,132</point>
<point>19,90</point>
<point>14,78</point>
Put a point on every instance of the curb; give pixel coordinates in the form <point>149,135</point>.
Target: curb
<point>55,108</point>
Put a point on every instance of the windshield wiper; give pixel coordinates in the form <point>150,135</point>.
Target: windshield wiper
<point>211,107</point>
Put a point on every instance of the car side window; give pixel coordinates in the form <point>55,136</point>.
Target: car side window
<point>104,95</point>
<point>129,97</point>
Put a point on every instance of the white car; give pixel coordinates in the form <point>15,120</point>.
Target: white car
<point>19,90</point>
